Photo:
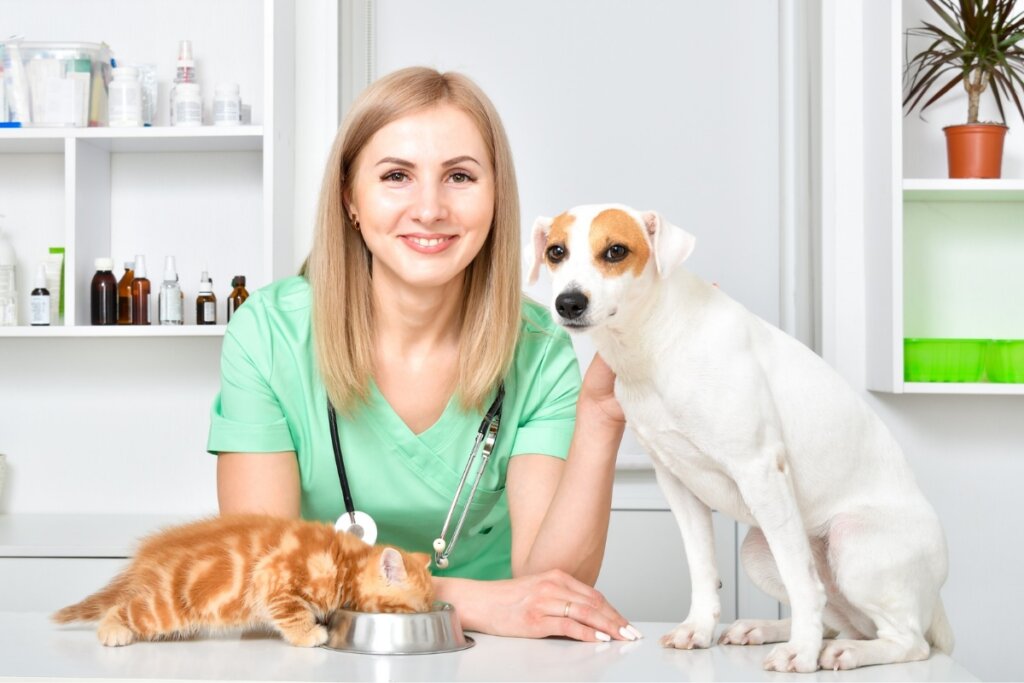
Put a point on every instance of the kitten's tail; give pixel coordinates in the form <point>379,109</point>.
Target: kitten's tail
<point>94,606</point>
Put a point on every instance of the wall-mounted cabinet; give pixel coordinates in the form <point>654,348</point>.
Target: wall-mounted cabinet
<point>943,256</point>
<point>216,198</point>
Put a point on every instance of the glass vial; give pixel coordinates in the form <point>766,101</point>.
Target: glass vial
<point>238,294</point>
<point>140,293</point>
<point>124,294</point>
<point>103,294</point>
<point>206,302</point>
<point>39,300</point>
<point>170,301</point>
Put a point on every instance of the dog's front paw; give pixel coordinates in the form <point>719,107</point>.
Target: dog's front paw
<point>755,632</point>
<point>839,654</point>
<point>791,656</point>
<point>689,635</point>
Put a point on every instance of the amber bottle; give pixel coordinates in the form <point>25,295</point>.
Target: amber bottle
<point>124,294</point>
<point>140,293</point>
<point>206,302</point>
<point>103,294</point>
<point>238,294</point>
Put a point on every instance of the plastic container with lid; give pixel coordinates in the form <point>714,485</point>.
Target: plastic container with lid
<point>188,105</point>
<point>227,105</point>
<point>56,83</point>
<point>125,98</point>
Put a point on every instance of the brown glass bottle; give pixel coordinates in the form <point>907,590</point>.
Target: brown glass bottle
<point>206,302</point>
<point>103,294</point>
<point>238,294</point>
<point>124,294</point>
<point>140,293</point>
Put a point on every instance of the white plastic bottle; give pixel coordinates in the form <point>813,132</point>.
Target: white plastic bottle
<point>39,301</point>
<point>186,73</point>
<point>125,98</point>
<point>171,298</point>
<point>8,283</point>
<point>227,105</point>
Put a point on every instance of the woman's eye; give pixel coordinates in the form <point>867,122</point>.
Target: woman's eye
<point>615,253</point>
<point>556,252</point>
<point>395,176</point>
<point>459,177</point>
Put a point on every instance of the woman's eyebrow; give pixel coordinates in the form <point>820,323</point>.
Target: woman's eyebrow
<point>408,164</point>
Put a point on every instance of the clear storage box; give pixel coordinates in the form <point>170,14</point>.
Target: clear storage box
<point>55,84</point>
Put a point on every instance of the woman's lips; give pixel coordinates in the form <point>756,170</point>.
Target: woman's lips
<point>429,244</point>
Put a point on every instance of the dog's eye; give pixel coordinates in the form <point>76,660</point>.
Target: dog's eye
<point>616,252</point>
<point>556,252</point>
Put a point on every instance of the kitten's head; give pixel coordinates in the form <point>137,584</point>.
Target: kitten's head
<point>392,580</point>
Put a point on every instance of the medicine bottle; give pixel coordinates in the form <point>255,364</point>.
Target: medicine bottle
<point>171,299</point>
<point>238,294</point>
<point>188,105</point>
<point>206,302</point>
<point>125,98</point>
<point>124,294</point>
<point>39,300</point>
<point>140,293</point>
<point>103,294</point>
<point>186,73</point>
<point>227,105</point>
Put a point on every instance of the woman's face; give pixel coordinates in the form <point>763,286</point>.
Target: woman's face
<point>423,193</point>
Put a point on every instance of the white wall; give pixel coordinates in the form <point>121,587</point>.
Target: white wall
<point>965,450</point>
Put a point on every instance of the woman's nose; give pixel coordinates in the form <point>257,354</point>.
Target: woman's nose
<point>429,204</point>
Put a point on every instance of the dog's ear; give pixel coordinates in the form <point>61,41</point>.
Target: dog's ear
<point>671,245</point>
<point>541,228</point>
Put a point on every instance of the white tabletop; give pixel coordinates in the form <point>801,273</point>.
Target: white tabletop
<point>32,647</point>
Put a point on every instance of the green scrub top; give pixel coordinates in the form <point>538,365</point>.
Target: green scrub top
<point>272,400</point>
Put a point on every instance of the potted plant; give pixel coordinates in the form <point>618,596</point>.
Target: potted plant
<point>978,43</point>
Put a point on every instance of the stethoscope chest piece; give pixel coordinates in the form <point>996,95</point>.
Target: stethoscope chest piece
<point>359,524</point>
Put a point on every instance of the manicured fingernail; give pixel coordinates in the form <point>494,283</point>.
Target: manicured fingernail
<point>603,637</point>
<point>635,630</point>
<point>626,633</point>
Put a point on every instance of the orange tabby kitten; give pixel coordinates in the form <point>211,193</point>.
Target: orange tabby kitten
<point>251,571</point>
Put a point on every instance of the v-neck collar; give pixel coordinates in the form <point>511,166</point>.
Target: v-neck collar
<point>435,437</point>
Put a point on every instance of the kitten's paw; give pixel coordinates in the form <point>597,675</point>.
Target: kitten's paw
<point>315,636</point>
<point>689,635</point>
<point>115,634</point>
<point>755,632</point>
<point>793,657</point>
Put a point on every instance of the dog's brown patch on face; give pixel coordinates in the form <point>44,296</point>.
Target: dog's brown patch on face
<point>559,234</point>
<point>615,226</point>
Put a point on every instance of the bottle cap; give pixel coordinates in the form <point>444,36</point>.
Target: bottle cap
<point>125,73</point>
<point>185,53</point>
<point>40,282</point>
<point>140,266</point>
<point>170,270</point>
<point>205,283</point>
<point>238,281</point>
<point>129,265</point>
<point>104,263</point>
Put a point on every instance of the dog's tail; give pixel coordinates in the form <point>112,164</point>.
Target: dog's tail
<point>94,606</point>
<point>940,633</point>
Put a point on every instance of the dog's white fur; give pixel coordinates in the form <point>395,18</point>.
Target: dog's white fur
<point>739,417</point>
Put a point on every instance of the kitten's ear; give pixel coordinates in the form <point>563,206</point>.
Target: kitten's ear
<point>392,569</point>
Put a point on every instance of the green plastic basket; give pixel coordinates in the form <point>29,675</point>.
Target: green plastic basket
<point>1005,361</point>
<point>944,360</point>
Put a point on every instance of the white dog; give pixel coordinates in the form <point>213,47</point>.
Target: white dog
<point>739,417</point>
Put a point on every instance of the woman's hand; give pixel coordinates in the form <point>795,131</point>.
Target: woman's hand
<point>598,390</point>
<point>552,603</point>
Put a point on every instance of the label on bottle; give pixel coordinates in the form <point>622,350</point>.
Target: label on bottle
<point>188,112</point>
<point>170,306</point>
<point>39,309</point>
<point>209,311</point>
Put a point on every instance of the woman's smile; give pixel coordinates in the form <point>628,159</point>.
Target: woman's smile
<point>428,243</point>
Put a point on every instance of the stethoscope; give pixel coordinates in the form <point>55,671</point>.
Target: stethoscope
<point>362,526</point>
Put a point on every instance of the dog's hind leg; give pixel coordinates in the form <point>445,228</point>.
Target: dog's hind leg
<point>694,520</point>
<point>889,567</point>
<point>760,566</point>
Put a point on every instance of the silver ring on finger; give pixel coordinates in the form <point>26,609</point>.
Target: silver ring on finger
<point>568,606</point>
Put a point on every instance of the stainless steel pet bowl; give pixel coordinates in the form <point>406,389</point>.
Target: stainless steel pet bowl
<point>424,633</point>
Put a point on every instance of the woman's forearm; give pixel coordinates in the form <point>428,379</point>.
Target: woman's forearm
<point>572,536</point>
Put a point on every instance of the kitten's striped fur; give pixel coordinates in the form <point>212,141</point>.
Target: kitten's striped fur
<point>252,571</point>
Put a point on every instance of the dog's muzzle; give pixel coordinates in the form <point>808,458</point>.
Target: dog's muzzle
<point>571,304</point>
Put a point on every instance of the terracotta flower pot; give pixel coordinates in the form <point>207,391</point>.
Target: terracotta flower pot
<point>975,150</point>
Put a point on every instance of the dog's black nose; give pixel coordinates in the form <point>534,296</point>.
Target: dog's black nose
<point>571,305</point>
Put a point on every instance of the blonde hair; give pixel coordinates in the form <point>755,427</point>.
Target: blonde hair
<point>338,266</point>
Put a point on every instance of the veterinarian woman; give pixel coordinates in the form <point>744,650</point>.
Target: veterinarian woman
<point>408,316</point>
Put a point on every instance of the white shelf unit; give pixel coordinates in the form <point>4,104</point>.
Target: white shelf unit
<point>941,253</point>
<point>217,198</point>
